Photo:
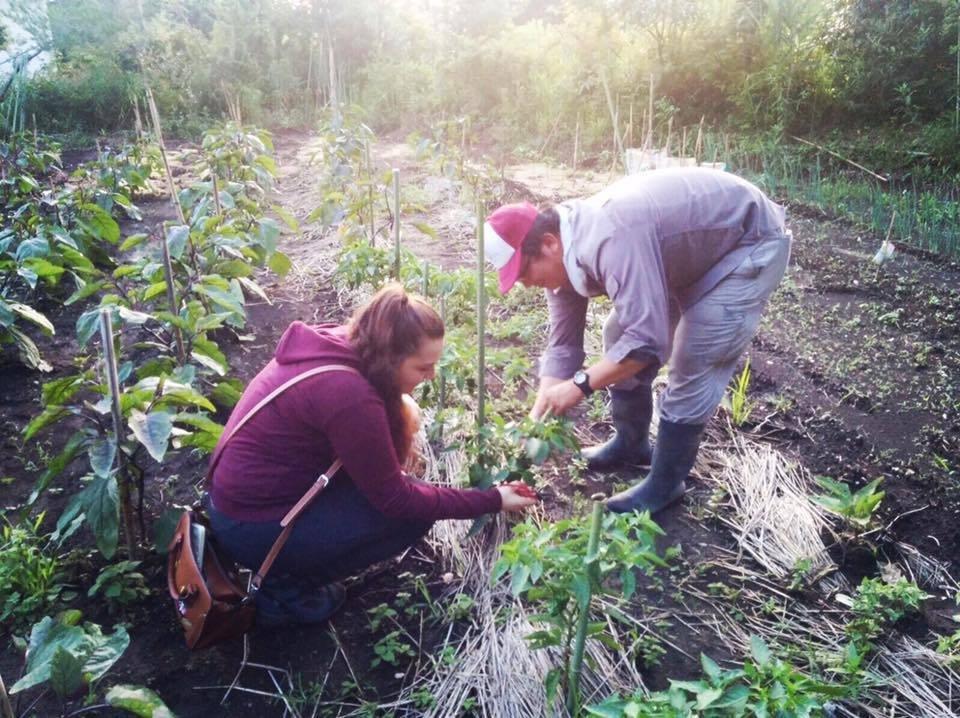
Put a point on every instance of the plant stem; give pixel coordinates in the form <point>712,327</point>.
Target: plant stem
<point>113,382</point>
<point>576,663</point>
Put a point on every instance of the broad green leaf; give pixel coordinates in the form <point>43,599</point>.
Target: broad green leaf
<point>177,237</point>
<point>46,638</point>
<point>98,223</point>
<point>131,316</point>
<point>760,651</point>
<point>155,289</point>
<point>269,233</point>
<point>254,288</point>
<point>87,290</point>
<point>87,325</point>
<point>152,430</point>
<point>133,240</point>
<point>66,673</point>
<point>426,229</point>
<point>105,650</point>
<point>43,268</point>
<point>164,528</point>
<point>102,453</point>
<point>279,263</point>
<point>101,504</point>
<point>138,700</point>
<point>32,315</point>
<point>55,466</point>
<point>706,698</point>
<point>287,218</point>
<point>33,247</point>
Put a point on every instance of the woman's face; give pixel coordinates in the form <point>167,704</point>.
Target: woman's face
<point>419,366</point>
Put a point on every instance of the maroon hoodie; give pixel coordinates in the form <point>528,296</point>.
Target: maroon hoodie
<point>271,462</point>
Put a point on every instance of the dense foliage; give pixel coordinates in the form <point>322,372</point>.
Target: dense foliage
<point>787,65</point>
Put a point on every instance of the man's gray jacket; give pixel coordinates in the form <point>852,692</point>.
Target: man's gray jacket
<point>647,240</point>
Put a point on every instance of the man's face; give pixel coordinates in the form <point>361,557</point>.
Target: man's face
<point>546,270</point>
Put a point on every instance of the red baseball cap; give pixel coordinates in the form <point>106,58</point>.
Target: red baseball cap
<point>503,233</point>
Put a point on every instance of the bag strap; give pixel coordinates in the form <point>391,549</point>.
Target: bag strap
<point>319,485</point>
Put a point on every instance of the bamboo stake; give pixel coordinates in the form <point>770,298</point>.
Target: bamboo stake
<point>172,297</point>
<point>481,321</point>
<point>426,279</point>
<point>396,223</point>
<point>216,193</point>
<point>370,198</point>
<point>113,383</point>
<point>334,100</point>
<point>137,122</point>
<point>669,135</point>
<point>618,145</point>
<point>155,119</point>
<point>7,709</point>
<point>630,127</point>
<point>576,143</point>
<point>697,147</point>
<point>442,390</point>
<point>648,143</point>
<point>840,157</point>
<point>683,142</point>
<point>583,620</point>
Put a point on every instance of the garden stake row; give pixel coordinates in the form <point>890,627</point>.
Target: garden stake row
<point>113,383</point>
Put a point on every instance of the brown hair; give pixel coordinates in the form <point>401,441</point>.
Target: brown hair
<point>385,331</point>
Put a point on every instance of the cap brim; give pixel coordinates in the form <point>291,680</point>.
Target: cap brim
<point>510,272</point>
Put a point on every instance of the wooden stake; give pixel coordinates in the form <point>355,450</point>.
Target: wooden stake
<point>113,383</point>
<point>155,119</point>
<point>669,135</point>
<point>396,223</point>
<point>576,143</point>
<point>481,322</point>
<point>630,127</point>
<point>216,193</point>
<point>6,710</point>
<point>371,198</point>
<point>840,157</point>
<point>648,144</point>
<point>618,145</point>
<point>698,146</point>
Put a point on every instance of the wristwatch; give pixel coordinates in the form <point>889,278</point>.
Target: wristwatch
<point>581,380</point>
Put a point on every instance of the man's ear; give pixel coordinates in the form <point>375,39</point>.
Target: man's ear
<point>552,244</point>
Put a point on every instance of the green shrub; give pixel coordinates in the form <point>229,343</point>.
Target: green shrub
<point>31,579</point>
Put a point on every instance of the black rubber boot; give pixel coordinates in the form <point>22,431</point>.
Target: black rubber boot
<point>629,446</point>
<point>676,450</point>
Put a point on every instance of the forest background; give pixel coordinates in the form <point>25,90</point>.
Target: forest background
<point>877,79</point>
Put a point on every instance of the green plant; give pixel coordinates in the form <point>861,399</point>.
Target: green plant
<point>391,649</point>
<point>878,605</point>
<point>119,584</point>
<point>763,686</point>
<point>736,400</point>
<point>31,579</point>
<point>551,568</point>
<point>857,508</point>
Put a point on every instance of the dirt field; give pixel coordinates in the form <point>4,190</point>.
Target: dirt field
<point>855,376</point>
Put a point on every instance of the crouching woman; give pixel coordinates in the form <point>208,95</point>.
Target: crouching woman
<point>371,509</point>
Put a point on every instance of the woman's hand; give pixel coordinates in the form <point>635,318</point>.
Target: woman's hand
<point>516,496</point>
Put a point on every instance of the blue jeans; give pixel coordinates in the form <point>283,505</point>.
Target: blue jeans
<point>338,535</point>
<point>710,336</point>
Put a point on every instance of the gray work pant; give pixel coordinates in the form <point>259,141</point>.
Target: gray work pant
<point>711,335</point>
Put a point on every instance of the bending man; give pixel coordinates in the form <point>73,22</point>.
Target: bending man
<point>689,258</point>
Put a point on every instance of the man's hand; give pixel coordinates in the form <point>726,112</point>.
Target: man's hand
<point>558,399</point>
<point>539,406</point>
